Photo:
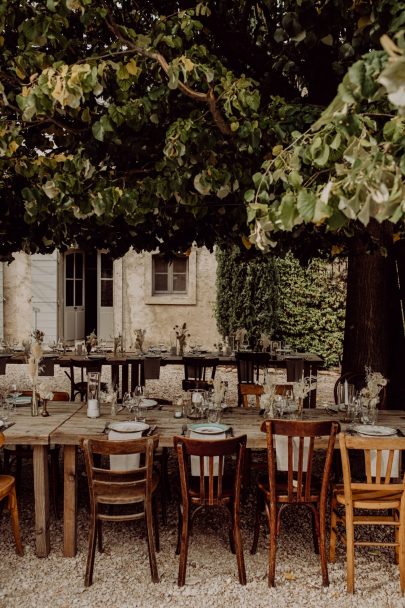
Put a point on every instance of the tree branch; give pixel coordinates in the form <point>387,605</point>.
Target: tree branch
<point>208,98</point>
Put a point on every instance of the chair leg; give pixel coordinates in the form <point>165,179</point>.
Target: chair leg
<point>151,542</point>
<point>259,506</point>
<point>100,536</point>
<point>271,513</point>
<point>164,485</point>
<point>350,550</point>
<point>88,579</point>
<point>401,557</point>
<point>183,548</point>
<point>239,548</point>
<point>156,524</point>
<point>12,506</point>
<point>18,467</point>
<point>333,529</point>
<point>179,528</point>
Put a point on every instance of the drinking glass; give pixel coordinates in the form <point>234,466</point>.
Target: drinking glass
<point>137,395</point>
<point>368,413</point>
<point>214,414</point>
<point>280,404</point>
<point>198,401</point>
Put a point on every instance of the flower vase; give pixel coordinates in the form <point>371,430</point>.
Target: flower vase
<point>180,349</point>
<point>44,411</point>
<point>34,402</point>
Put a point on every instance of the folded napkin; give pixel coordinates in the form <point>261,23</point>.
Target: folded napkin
<point>152,368</point>
<point>195,460</point>
<point>282,452</point>
<point>384,463</point>
<point>124,462</point>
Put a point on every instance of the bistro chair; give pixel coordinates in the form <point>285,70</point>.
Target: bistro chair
<point>290,481</point>
<point>199,372</point>
<point>256,390</point>
<point>214,487</point>
<point>109,487</point>
<point>358,379</point>
<point>21,452</point>
<point>7,490</point>
<point>250,368</point>
<point>79,387</point>
<point>377,500</point>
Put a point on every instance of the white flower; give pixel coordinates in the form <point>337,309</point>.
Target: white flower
<point>44,390</point>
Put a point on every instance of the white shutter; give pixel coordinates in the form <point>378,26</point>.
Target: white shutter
<point>44,273</point>
<point>1,302</point>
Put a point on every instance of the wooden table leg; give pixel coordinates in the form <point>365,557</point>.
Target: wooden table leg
<point>41,497</point>
<point>70,501</point>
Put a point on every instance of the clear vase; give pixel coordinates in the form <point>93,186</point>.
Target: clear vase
<point>34,402</point>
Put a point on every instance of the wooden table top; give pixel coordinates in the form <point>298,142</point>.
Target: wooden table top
<point>242,421</point>
<point>36,430</point>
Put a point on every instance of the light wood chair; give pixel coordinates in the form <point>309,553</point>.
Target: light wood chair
<point>210,490</point>
<point>108,487</point>
<point>256,390</point>
<point>7,490</point>
<point>381,492</point>
<point>250,368</point>
<point>295,486</point>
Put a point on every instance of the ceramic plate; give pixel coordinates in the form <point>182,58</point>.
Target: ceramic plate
<point>128,427</point>
<point>374,431</point>
<point>2,423</point>
<point>21,400</point>
<point>147,403</point>
<point>205,428</point>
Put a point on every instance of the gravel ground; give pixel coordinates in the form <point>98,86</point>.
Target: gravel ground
<point>121,575</point>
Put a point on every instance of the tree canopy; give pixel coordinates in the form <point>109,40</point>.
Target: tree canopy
<point>128,123</point>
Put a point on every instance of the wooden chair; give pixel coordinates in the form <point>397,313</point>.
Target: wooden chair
<point>108,487</point>
<point>358,379</point>
<point>7,490</point>
<point>250,368</point>
<point>295,486</point>
<point>20,452</point>
<point>209,490</point>
<point>79,387</point>
<point>199,372</point>
<point>256,390</point>
<point>382,492</point>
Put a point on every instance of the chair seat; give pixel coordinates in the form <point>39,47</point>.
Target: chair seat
<point>6,483</point>
<point>227,488</point>
<point>282,489</point>
<point>379,499</point>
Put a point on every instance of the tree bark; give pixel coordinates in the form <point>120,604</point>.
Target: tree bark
<point>374,331</point>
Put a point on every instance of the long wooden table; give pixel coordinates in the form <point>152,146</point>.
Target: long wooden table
<point>35,431</point>
<point>242,421</point>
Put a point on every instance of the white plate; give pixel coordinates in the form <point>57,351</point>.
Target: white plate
<point>2,423</point>
<point>21,400</point>
<point>128,427</point>
<point>146,403</point>
<point>205,428</point>
<point>371,430</point>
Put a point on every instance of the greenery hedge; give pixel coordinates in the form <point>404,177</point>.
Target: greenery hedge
<point>305,306</point>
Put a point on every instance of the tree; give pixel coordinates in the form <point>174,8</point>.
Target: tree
<point>140,124</point>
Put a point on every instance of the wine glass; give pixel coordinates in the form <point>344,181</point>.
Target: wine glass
<point>137,395</point>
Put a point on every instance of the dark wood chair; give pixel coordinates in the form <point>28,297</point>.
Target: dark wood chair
<point>296,485</point>
<point>378,499</point>
<point>358,379</point>
<point>109,488</point>
<point>250,368</point>
<point>79,387</point>
<point>7,490</point>
<point>209,490</point>
<point>199,372</point>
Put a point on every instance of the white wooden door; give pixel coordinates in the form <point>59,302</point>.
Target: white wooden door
<point>105,297</point>
<point>74,301</point>
<point>44,281</point>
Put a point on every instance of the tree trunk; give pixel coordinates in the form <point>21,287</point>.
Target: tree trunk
<point>374,330</point>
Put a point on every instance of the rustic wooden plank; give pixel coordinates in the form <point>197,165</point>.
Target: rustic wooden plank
<point>41,493</point>
<point>70,501</point>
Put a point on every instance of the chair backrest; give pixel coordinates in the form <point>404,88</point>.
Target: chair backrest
<point>211,456</point>
<point>295,368</point>
<point>1,439</point>
<point>358,379</point>
<point>200,368</point>
<point>137,373</point>
<point>382,463</point>
<point>299,445</point>
<point>250,364</point>
<point>118,486</point>
<point>257,391</point>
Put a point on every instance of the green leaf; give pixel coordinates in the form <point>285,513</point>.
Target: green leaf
<point>306,202</point>
<point>98,131</point>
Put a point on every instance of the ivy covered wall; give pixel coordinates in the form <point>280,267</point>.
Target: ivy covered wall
<point>305,306</point>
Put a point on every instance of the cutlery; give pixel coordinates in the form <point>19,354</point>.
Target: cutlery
<point>151,430</point>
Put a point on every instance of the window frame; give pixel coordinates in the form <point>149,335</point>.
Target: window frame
<point>188,297</point>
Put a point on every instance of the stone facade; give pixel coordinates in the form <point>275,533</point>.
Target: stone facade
<point>135,306</point>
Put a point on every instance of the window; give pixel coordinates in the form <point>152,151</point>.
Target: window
<point>106,280</point>
<point>169,276</point>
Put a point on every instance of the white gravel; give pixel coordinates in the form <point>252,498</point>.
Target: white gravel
<point>121,575</point>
